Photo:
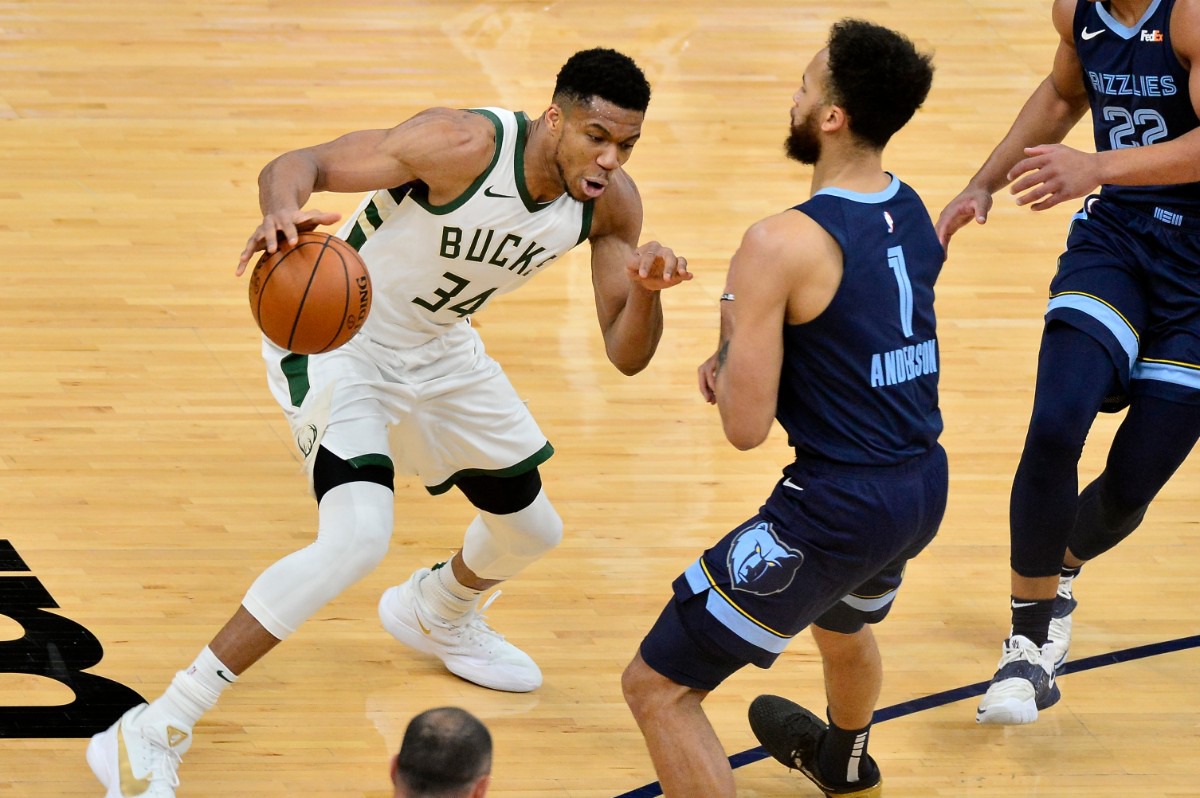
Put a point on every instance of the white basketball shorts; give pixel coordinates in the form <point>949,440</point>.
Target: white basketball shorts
<point>442,410</point>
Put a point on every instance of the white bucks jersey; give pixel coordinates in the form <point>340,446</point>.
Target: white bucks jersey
<point>432,266</point>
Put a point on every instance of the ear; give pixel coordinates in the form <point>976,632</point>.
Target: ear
<point>481,786</point>
<point>834,118</point>
<point>394,767</point>
<point>555,118</point>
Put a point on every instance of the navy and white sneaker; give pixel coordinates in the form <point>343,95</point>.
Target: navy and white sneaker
<point>1060,624</point>
<point>1024,684</point>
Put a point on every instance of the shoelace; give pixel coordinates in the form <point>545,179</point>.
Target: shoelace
<point>1011,654</point>
<point>170,765</point>
<point>164,765</point>
<point>801,728</point>
<point>475,624</point>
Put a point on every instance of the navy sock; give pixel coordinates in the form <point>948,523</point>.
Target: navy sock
<point>1031,619</point>
<point>842,757</point>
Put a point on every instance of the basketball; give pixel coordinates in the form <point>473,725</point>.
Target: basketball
<point>311,297</point>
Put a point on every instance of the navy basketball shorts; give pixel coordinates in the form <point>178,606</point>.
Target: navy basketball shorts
<point>1130,278</point>
<point>828,547</point>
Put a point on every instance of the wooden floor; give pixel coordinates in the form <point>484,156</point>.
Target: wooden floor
<point>146,477</point>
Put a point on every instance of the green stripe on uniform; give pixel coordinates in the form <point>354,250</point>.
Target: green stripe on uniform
<point>372,214</point>
<point>528,464</point>
<point>357,237</point>
<point>295,369</point>
<point>372,460</point>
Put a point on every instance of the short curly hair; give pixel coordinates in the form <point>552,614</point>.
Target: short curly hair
<point>603,73</point>
<point>877,76</point>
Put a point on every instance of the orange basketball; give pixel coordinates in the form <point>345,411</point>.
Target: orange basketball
<point>311,297</point>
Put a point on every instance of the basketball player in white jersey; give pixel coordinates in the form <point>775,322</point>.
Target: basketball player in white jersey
<point>462,205</point>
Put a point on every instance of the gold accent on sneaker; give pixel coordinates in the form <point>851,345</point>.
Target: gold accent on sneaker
<point>130,785</point>
<point>175,736</point>
<point>874,791</point>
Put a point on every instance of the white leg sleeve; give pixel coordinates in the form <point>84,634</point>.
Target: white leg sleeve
<point>500,546</point>
<point>355,527</point>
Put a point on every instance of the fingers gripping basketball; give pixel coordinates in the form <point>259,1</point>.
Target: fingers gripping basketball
<point>311,297</point>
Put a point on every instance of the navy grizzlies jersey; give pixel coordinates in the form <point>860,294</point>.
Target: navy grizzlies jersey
<point>1138,91</point>
<point>859,382</point>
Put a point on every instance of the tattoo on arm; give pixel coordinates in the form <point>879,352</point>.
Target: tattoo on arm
<point>722,354</point>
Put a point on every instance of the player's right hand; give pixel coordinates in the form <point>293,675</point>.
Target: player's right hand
<point>289,225</point>
<point>972,203</point>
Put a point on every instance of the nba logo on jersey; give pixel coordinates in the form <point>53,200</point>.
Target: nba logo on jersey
<point>1152,36</point>
<point>759,563</point>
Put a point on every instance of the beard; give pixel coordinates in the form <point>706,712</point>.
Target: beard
<point>804,142</point>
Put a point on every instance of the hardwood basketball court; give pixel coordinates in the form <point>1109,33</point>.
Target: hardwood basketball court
<point>147,477</point>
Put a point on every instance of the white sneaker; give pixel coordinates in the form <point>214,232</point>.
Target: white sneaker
<point>139,761</point>
<point>1024,683</point>
<point>1060,623</point>
<point>468,646</point>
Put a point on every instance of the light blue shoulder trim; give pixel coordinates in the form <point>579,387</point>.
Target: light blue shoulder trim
<point>857,196</point>
<point>1119,29</point>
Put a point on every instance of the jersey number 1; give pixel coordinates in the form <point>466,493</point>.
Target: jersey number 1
<point>900,268</point>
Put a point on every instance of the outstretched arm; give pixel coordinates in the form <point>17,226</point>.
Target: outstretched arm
<point>627,278</point>
<point>1055,106</point>
<point>437,146</point>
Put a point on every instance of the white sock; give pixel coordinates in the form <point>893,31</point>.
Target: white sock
<point>445,597</point>
<point>194,691</point>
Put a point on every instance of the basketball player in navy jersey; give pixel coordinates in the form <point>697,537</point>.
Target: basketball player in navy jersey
<point>1123,322</point>
<point>460,206</point>
<point>827,324</point>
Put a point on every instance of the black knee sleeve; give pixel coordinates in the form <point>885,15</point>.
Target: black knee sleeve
<point>501,495</point>
<point>329,471</point>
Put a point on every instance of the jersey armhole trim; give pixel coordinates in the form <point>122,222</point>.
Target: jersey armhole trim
<point>422,198</point>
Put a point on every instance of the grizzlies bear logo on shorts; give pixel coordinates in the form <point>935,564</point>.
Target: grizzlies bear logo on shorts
<point>759,563</point>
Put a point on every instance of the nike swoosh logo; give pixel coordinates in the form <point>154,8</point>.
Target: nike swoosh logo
<point>418,617</point>
<point>130,786</point>
<point>1086,35</point>
<point>1017,605</point>
<point>487,192</point>
<point>221,673</point>
<point>787,483</point>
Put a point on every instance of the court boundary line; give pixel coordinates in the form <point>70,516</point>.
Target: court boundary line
<point>934,700</point>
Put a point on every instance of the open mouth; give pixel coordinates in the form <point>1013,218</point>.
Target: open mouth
<point>593,188</point>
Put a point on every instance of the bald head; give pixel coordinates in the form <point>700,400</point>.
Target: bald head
<point>446,753</point>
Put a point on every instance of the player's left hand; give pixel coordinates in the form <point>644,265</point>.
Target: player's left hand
<point>1051,174</point>
<point>655,267</point>
<point>706,376</point>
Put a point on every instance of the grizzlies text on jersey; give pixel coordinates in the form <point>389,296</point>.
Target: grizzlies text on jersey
<point>1138,91</point>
